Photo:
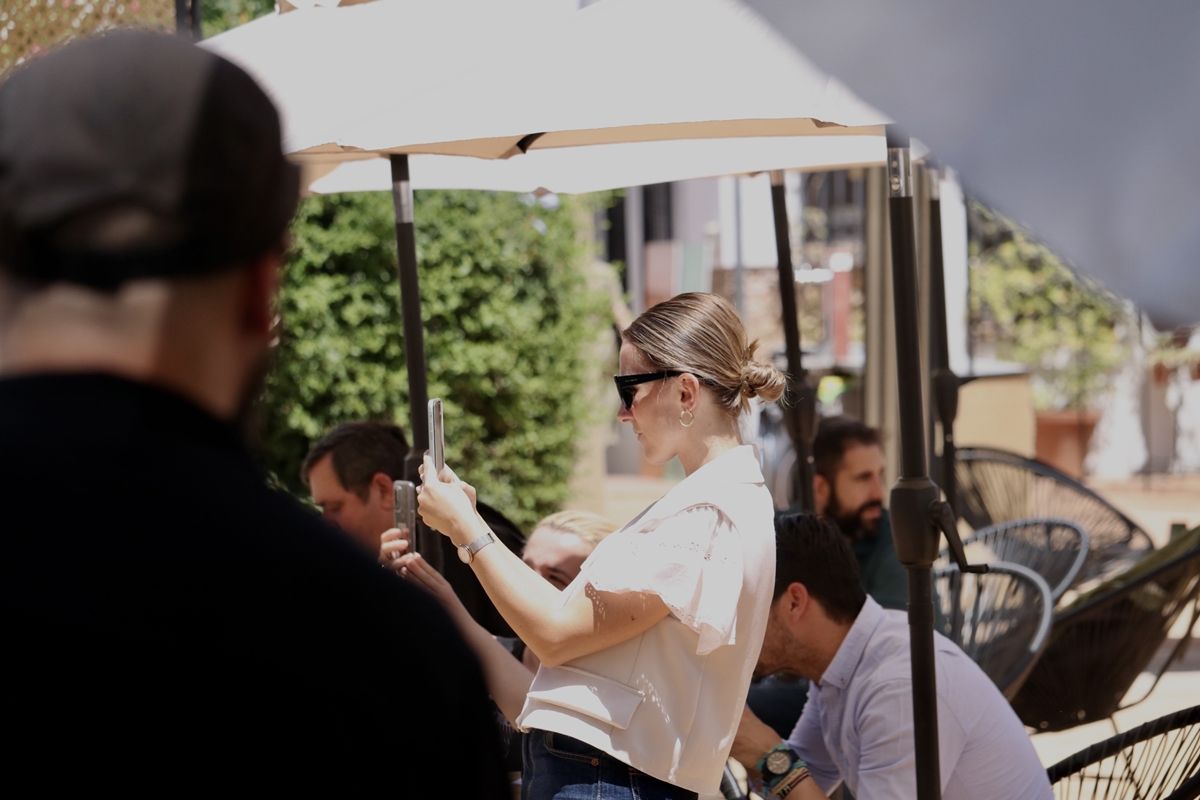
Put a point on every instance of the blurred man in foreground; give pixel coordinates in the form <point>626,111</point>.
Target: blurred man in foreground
<point>167,617</point>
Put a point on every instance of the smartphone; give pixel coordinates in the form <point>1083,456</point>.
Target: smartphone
<point>404,511</point>
<point>437,435</point>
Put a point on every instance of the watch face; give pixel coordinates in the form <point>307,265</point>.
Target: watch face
<point>464,555</point>
<point>778,762</point>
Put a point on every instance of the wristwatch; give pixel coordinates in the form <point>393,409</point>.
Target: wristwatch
<point>466,552</point>
<point>779,762</point>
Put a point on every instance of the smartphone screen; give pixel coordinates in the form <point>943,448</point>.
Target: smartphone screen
<point>437,436</point>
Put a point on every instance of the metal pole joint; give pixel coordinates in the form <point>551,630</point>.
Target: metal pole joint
<point>899,163</point>
<point>909,506</point>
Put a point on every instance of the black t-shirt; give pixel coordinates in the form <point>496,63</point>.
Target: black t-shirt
<point>171,622</point>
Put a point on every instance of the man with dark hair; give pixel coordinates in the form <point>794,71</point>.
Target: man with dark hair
<point>350,471</point>
<point>857,726</point>
<point>848,487</point>
<point>169,621</point>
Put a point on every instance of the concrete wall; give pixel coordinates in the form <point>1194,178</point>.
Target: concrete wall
<point>997,412</point>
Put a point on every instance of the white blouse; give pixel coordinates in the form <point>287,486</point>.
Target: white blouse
<point>668,701</point>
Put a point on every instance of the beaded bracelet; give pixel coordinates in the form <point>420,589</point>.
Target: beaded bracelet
<point>790,781</point>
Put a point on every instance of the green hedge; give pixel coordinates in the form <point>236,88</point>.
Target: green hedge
<point>507,313</point>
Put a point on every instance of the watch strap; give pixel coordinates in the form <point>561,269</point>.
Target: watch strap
<point>471,548</point>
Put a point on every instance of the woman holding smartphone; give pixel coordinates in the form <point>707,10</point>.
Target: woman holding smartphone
<point>647,655</point>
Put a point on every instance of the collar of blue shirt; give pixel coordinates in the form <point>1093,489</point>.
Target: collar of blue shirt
<point>849,654</point>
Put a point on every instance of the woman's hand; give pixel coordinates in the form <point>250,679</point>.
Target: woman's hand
<point>447,504</point>
<point>393,543</point>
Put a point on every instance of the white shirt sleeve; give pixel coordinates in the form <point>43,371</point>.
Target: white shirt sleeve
<point>691,559</point>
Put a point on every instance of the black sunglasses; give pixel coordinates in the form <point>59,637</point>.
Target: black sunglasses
<point>627,384</point>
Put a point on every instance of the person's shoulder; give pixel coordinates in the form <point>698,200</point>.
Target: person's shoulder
<point>952,660</point>
<point>698,523</point>
<point>962,683</point>
<point>891,636</point>
<point>886,656</point>
<point>294,551</point>
<point>264,520</point>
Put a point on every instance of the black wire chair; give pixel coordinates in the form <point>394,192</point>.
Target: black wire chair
<point>1159,760</point>
<point>1053,548</point>
<point>1000,618</point>
<point>1107,637</point>
<point>996,486</point>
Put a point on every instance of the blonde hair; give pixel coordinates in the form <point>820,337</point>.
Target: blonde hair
<point>700,333</point>
<point>589,527</point>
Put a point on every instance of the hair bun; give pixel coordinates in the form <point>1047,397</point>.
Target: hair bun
<point>762,380</point>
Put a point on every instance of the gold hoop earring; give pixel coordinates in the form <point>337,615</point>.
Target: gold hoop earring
<point>691,418</point>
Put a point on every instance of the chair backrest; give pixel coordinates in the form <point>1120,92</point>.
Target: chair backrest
<point>1000,618</point>
<point>1121,625</point>
<point>1160,759</point>
<point>1053,548</point>
<point>997,486</point>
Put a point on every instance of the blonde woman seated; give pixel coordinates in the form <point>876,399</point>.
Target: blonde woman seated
<point>647,655</point>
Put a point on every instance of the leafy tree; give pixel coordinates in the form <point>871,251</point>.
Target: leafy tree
<point>508,315</point>
<point>1035,311</point>
<point>30,27</point>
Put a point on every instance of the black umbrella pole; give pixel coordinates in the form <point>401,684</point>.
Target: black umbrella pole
<point>924,687</point>
<point>428,542</point>
<point>945,382</point>
<point>946,386</point>
<point>801,412</point>
<point>914,496</point>
<point>187,18</point>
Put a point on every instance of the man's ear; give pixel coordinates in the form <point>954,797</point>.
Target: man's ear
<point>260,288</point>
<point>381,486</point>
<point>798,601</point>
<point>821,492</point>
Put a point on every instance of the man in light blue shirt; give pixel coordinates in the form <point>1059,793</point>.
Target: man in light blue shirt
<point>857,726</point>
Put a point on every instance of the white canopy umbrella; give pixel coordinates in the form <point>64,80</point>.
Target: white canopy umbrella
<point>631,71</point>
<point>327,68</point>
<point>702,87</point>
<point>623,92</point>
<point>490,80</point>
<point>594,168</point>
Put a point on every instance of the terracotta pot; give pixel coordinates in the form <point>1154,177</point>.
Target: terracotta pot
<point>1162,373</point>
<point>1063,438</point>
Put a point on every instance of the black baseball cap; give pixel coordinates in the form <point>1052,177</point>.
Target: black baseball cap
<point>136,154</point>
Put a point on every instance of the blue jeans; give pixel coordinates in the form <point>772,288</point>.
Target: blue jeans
<point>557,767</point>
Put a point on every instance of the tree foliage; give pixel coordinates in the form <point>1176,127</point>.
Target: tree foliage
<point>1034,310</point>
<point>30,27</point>
<point>507,314</point>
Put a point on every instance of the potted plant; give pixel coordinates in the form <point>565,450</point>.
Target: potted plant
<point>1066,330</point>
<point>1173,352</point>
